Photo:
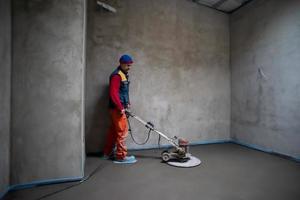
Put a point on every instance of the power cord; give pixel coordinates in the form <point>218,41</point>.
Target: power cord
<point>150,126</point>
<point>100,166</point>
<point>132,137</point>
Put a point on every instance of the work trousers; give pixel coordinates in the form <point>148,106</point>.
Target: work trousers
<point>117,134</point>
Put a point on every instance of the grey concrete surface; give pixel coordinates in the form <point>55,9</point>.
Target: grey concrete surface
<point>227,172</point>
<point>180,79</point>
<point>47,88</point>
<point>265,68</point>
<point>5,84</point>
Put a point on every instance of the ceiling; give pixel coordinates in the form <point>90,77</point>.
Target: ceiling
<point>227,6</point>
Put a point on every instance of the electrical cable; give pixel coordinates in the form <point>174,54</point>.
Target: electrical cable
<point>150,126</point>
<point>100,166</point>
<point>132,137</point>
<point>158,142</point>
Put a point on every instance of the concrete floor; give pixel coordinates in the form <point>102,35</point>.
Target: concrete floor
<point>228,171</point>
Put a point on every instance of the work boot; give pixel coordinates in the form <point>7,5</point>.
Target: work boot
<point>126,160</point>
<point>108,157</point>
<point>104,157</point>
<point>131,157</point>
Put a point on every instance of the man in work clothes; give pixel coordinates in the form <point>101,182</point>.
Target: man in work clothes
<point>118,102</point>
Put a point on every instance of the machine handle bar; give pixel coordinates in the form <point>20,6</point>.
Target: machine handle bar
<point>151,127</point>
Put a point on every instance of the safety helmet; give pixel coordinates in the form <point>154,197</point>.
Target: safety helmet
<point>125,59</point>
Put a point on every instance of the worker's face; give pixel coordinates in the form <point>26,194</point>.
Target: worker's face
<point>125,67</point>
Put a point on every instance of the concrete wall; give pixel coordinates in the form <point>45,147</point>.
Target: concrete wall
<point>265,64</point>
<point>5,71</point>
<point>180,79</point>
<point>47,90</point>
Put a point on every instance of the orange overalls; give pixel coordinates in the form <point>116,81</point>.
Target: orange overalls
<point>117,134</point>
<point>119,99</point>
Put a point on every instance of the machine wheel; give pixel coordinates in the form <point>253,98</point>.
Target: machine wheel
<point>165,156</point>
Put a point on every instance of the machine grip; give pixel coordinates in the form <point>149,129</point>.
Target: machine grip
<point>150,125</point>
<point>128,113</point>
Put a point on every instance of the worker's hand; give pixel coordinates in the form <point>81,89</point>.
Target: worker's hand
<point>122,112</point>
<point>128,113</point>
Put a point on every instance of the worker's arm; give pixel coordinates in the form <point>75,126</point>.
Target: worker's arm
<point>114,88</point>
<point>128,103</point>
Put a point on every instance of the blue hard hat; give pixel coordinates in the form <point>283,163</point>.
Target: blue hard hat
<point>126,59</point>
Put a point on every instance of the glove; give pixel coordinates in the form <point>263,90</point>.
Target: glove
<point>122,112</point>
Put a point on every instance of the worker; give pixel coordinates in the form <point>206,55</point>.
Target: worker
<point>118,102</point>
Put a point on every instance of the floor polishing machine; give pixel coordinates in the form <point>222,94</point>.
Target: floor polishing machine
<point>179,155</point>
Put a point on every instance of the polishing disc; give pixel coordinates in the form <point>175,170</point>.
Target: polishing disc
<point>191,162</point>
